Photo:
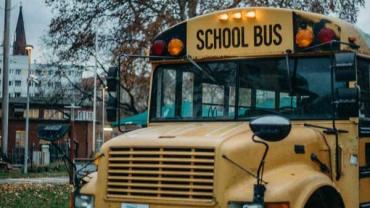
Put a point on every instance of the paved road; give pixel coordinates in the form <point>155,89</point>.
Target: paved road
<point>46,180</point>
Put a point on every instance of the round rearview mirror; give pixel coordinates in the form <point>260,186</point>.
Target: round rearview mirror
<point>271,128</point>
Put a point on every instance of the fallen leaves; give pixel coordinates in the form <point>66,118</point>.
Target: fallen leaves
<point>34,195</point>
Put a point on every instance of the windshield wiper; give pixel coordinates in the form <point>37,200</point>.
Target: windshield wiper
<point>201,69</point>
<point>327,130</point>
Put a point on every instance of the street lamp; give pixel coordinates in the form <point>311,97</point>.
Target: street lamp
<point>29,53</point>
<point>103,115</point>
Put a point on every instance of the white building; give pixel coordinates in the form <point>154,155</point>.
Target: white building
<point>51,79</point>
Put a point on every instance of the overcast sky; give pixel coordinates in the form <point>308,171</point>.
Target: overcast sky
<point>37,17</point>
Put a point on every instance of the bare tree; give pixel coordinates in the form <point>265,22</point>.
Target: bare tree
<point>127,26</point>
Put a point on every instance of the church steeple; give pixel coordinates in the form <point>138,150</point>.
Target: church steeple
<point>19,44</point>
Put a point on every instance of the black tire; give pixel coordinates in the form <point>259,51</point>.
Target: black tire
<point>325,197</point>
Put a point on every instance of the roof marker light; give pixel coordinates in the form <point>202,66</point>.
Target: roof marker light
<point>223,17</point>
<point>352,39</point>
<point>237,15</point>
<point>251,14</point>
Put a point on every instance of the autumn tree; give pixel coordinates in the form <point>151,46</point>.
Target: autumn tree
<point>119,27</point>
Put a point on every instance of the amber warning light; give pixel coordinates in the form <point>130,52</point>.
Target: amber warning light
<point>175,47</point>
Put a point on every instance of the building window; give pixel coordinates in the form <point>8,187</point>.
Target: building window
<point>18,83</point>
<point>19,139</point>
<point>10,83</point>
<point>18,71</point>
<point>84,115</point>
<point>52,114</point>
<point>58,84</point>
<point>34,113</point>
<point>17,94</point>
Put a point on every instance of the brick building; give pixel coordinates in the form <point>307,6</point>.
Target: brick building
<point>40,115</point>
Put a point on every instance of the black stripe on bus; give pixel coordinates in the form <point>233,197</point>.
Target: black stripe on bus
<point>365,205</point>
<point>364,128</point>
<point>365,172</point>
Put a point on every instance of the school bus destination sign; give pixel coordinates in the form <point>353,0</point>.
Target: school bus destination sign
<point>240,33</point>
<point>254,32</point>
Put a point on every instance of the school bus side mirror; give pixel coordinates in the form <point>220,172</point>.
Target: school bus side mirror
<point>271,128</point>
<point>347,100</point>
<point>112,88</point>
<point>345,67</point>
<point>111,109</point>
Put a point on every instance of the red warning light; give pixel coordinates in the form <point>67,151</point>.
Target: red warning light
<point>326,35</point>
<point>158,47</point>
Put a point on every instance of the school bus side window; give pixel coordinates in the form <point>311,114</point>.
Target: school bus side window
<point>166,102</point>
<point>364,82</point>
<point>187,94</point>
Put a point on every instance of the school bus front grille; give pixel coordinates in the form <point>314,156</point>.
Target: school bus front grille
<point>165,173</point>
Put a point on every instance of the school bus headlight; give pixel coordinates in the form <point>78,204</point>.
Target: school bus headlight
<point>84,201</point>
<point>304,37</point>
<point>175,47</point>
<point>251,14</point>
<point>237,15</point>
<point>223,17</point>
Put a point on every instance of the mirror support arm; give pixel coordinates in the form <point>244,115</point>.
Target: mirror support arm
<point>287,60</point>
<point>259,188</point>
<point>334,115</point>
<point>118,95</point>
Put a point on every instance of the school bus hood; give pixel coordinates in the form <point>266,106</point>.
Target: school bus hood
<point>198,134</point>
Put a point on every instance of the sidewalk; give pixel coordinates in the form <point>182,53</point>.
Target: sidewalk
<point>43,180</point>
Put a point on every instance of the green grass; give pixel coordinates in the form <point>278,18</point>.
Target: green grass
<point>34,195</point>
<point>53,170</point>
<point>19,174</point>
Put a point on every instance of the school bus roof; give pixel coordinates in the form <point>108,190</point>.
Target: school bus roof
<point>258,31</point>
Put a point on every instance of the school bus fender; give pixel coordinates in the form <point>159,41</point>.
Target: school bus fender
<point>284,184</point>
<point>90,187</point>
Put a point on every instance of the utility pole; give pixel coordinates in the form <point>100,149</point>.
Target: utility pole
<point>5,95</point>
<point>94,113</point>
<point>95,76</point>
<point>73,107</point>
<point>103,116</point>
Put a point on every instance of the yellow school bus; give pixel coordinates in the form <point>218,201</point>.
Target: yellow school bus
<point>249,107</point>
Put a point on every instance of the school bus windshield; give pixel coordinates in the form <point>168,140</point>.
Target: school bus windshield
<point>238,90</point>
